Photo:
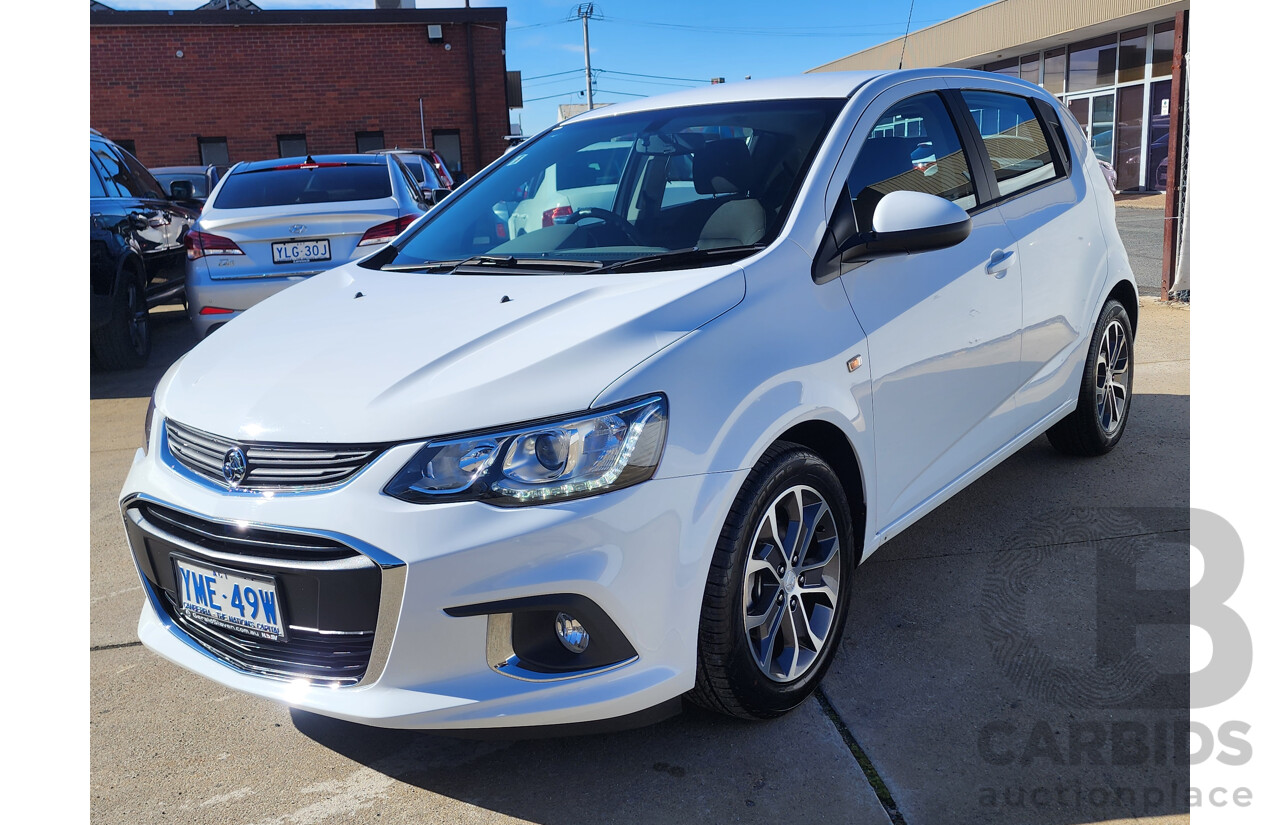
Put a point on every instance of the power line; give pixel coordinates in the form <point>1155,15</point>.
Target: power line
<point>553,74</point>
<point>659,76</point>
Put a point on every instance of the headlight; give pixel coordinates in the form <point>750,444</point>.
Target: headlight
<point>551,461</point>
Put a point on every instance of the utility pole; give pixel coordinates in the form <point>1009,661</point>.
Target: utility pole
<point>586,11</point>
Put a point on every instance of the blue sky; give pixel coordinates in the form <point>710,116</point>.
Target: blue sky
<point>683,42</point>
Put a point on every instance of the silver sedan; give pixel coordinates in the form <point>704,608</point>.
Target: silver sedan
<point>270,224</point>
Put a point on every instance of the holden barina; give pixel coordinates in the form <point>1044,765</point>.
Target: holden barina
<point>636,453</point>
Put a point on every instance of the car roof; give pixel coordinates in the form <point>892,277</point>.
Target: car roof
<point>259,165</point>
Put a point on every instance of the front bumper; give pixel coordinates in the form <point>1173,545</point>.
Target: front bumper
<point>639,555</point>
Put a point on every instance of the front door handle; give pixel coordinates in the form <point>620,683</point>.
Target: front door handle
<point>1000,262</point>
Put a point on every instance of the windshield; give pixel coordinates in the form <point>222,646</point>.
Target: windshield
<point>298,183</point>
<point>613,189</point>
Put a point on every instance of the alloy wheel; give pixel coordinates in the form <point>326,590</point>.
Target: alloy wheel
<point>791,584</point>
<point>1112,377</point>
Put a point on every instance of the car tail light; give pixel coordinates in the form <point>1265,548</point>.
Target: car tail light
<point>200,244</point>
<point>215,311</point>
<point>384,232</point>
<point>551,215</point>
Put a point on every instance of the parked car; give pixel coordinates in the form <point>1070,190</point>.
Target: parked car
<point>432,158</point>
<point>273,223</point>
<point>136,236</point>
<point>638,453</point>
<point>201,179</point>
<point>434,189</point>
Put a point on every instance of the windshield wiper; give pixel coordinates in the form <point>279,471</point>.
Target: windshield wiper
<point>495,262</point>
<point>688,255</point>
<point>512,262</point>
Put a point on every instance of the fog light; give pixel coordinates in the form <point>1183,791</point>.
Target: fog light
<point>571,633</point>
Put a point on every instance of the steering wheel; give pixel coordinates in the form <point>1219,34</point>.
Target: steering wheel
<point>611,218</point>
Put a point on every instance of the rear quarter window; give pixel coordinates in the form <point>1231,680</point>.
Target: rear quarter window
<point>280,186</point>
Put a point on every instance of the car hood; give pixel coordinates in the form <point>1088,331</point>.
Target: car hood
<point>355,355</point>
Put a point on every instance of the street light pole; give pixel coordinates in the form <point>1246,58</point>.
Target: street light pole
<point>586,11</point>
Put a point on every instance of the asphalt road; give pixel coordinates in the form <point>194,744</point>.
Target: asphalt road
<point>1004,662</point>
<point>1142,230</point>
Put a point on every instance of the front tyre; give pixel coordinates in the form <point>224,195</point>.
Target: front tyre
<point>1102,410</point>
<point>778,589</point>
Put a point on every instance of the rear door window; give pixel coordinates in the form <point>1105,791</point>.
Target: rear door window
<point>305,183</point>
<point>1014,139</point>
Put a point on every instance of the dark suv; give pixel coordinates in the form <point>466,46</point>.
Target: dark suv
<point>136,255</point>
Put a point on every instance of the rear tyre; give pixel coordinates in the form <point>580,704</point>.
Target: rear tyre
<point>1102,410</point>
<point>778,591</point>
<point>124,342</point>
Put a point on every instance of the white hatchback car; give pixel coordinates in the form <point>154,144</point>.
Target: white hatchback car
<point>636,454</point>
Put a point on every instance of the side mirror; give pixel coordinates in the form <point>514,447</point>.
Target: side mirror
<point>902,222</point>
<point>914,222</point>
<point>438,195</point>
<point>181,190</point>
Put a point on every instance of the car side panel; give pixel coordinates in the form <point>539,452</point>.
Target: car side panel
<point>778,359</point>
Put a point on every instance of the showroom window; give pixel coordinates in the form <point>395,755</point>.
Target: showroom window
<point>1092,63</point>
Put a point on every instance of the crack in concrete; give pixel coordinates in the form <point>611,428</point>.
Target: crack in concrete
<point>864,762</point>
<point>96,648</point>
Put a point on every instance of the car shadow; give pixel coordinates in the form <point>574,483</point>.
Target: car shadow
<point>172,335</point>
<point>674,771</point>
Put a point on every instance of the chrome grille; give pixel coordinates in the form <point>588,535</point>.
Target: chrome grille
<point>271,466</point>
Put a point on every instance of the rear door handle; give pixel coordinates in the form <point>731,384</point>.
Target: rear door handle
<point>1000,262</point>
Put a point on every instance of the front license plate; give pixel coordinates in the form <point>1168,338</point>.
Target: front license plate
<point>300,252</point>
<point>230,599</point>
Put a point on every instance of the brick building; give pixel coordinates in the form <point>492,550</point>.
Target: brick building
<point>219,86</point>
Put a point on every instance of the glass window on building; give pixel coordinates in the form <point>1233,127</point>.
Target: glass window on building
<point>291,146</point>
<point>1055,71</point>
<point>448,142</point>
<point>1092,63</point>
<point>1008,66</point>
<point>1158,135</point>
<point>1129,128</point>
<point>1029,67</point>
<point>213,151</point>
<point>1162,50</point>
<point>369,142</point>
<point>1133,55</point>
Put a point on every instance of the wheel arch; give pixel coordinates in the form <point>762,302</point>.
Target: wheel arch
<point>1125,293</point>
<point>131,265</point>
<point>833,446</point>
